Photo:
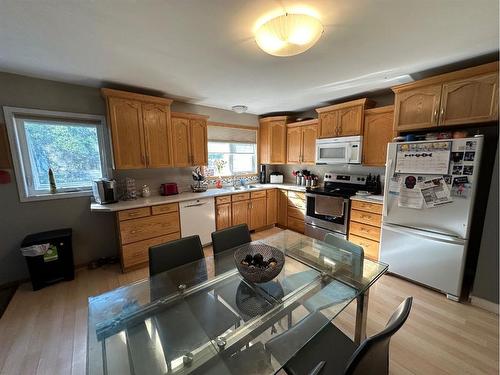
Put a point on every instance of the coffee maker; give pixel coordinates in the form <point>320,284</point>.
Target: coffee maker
<point>263,174</point>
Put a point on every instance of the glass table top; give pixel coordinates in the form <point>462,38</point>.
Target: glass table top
<point>205,318</point>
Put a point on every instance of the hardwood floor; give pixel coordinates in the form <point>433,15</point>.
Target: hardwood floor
<point>45,332</point>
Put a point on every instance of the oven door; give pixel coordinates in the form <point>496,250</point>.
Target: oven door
<point>328,212</point>
<point>332,153</point>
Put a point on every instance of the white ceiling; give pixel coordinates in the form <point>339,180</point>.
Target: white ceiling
<point>203,52</point>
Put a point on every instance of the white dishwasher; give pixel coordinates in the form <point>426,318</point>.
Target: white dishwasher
<point>198,217</point>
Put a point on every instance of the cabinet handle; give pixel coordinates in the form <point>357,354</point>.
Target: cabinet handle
<point>435,115</point>
<point>133,232</point>
<point>442,113</point>
<point>366,217</point>
<point>365,230</point>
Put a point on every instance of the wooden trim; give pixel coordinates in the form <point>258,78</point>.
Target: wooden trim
<point>302,123</point>
<point>459,74</point>
<point>192,116</point>
<point>485,304</point>
<point>367,103</point>
<point>134,96</point>
<point>274,118</point>
<point>378,110</point>
<point>234,126</point>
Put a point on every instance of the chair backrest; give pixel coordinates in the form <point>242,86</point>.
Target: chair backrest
<point>175,253</point>
<point>372,356</point>
<point>228,238</point>
<point>332,239</point>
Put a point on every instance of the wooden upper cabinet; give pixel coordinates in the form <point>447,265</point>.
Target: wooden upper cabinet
<point>342,120</point>
<point>294,145</point>
<point>181,142</point>
<point>140,129</point>
<point>301,142</point>
<point>463,97</point>
<point>470,100</point>
<point>378,132</point>
<point>156,119</point>
<point>127,133</point>
<point>189,139</point>
<point>273,140</point>
<point>417,108</point>
<point>199,142</point>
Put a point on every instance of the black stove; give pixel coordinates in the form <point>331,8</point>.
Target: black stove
<point>337,185</point>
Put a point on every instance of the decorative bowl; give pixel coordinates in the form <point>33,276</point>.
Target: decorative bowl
<point>255,273</point>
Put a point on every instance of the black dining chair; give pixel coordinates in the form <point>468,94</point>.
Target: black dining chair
<point>175,253</point>
<point>331,352</point>
<point>231,237</point>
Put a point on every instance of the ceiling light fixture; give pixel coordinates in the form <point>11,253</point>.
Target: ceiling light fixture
<point>239,108</point>
<point>288,34</point>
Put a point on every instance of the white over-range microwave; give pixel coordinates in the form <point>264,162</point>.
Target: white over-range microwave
<point>342,150</point>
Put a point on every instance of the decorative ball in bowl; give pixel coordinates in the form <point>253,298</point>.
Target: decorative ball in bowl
<point>259,263</point>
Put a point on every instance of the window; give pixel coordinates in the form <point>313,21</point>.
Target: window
<point>239,158</point>
<point>235,146</point>
<point>70,144</point>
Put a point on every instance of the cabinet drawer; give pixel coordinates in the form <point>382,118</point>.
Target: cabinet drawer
<point>296,213</point>
<point>297,203</point>
<point>366,217</point>
<point>371,248</point>
<point>258,194</point>
<point>149,227</point>
<point>138,252</point>
<point>240,197</point>
<point>363,230</point>
<point>270,192</point>
<point>134,214</point>
<point>165,208</point>
<point>297,195</point>
<point>223,200</point>
<point>367,206</point>
<point>295,224</point>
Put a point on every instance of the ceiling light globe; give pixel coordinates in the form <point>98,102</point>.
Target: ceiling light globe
<point>288,34</point>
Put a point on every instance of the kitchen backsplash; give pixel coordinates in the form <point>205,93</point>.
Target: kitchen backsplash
<point>320,170</point>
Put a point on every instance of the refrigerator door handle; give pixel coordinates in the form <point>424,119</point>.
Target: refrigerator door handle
<point>387,182</point>
<point>424,234</point>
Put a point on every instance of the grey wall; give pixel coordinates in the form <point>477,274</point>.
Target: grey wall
<point>94,234</point>
<point>486,280</point>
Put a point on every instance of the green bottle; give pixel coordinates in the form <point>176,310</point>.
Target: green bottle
<point>52,182</point>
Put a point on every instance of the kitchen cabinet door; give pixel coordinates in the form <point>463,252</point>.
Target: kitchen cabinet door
<point>417,108</point>
<point>240,212</point>
<point>282,207</point>
<point>294,145</point>
<point>272,206</point>
<point>378,132</point>
<point>258,214</point>
<point>158,143</point>
<point>309,135</point>
<point>328,124</point>
<point>181,142</point>
<point>127,133</point>
<point>199,148</point>
<point>470,100</point>
<point>223,216</point>
<point>350,121</point>
<point>277,142</point>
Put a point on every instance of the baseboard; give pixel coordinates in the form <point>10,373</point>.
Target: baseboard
<point>485,304</point>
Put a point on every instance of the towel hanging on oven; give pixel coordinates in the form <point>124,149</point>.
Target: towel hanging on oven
<point>328,205</point>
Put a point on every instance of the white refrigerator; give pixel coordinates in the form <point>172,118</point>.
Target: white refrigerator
<point>428,202</point>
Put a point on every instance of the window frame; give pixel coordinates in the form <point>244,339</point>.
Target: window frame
<point>238,174</point>
<point>19,150</point>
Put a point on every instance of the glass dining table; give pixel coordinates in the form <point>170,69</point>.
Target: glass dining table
<point>205,318</point>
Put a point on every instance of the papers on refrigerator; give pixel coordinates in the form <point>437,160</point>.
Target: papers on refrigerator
<point>410,198</point>
<point>435,192</point>
<point>423,158</point>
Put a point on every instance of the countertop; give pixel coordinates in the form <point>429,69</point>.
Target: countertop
<point>369,198</point>
<point>185,196</point>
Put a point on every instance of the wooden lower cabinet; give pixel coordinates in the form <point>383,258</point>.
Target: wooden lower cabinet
<point>240,212</point>
<point>296,209</point>
<point>141,228</point>
<point>282,207</point>
<point>223,216</point>
<point>272,206</point>
<point>258,214</point>
<point>364,227</point>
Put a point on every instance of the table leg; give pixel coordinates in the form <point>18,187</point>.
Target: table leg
<point>361,315</point>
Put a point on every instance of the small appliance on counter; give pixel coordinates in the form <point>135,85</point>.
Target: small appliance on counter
<point>263,174</point>
<point>169,188</point>
<point>276,178</point>
<point>105,191</point>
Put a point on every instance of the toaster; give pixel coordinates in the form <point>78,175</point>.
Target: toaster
<point>105,191</point>
<point>169,188</point>
<point>276,178</point>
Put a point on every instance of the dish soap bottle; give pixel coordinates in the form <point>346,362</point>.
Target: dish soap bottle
<point>52,182</point>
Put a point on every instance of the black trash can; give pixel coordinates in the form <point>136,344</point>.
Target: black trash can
<point>55,266</point>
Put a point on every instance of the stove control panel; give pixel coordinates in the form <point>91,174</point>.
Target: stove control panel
<point>345,178</point>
